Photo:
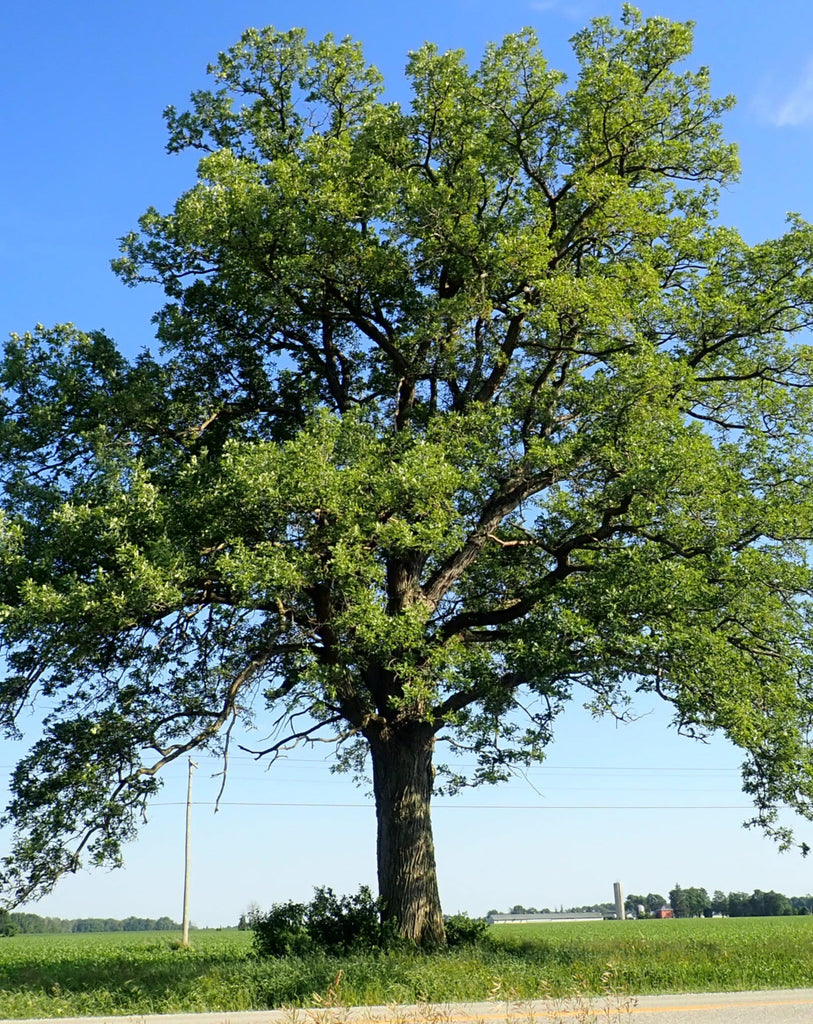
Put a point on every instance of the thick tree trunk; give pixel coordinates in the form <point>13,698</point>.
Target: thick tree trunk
<point>407,877</point>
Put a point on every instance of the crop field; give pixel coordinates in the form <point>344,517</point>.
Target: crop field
<point>697,955</point>
<point>137,973</point>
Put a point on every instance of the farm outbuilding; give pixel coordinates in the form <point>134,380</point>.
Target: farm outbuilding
<point>549,918</point>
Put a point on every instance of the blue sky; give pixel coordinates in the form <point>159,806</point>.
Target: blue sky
<point>83,86</point>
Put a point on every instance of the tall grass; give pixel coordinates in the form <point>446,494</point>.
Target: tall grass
<point>100,975</point>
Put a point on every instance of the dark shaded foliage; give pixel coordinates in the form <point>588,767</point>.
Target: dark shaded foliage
<point>462,930</point>
<point>328,924</point>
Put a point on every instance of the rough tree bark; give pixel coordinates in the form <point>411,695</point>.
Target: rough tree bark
<point>402,782</point>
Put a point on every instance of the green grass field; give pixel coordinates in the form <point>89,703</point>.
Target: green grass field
<point>129,973</point>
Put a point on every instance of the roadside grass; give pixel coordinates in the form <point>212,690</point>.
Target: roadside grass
<point>129,973</point>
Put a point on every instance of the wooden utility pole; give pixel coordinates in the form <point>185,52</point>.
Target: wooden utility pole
<point>185,939</point>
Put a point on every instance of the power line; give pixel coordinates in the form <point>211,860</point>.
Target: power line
<point>470,764</point>
<point>470,807</point>
<point>535,768</point>
<point>512,784</point>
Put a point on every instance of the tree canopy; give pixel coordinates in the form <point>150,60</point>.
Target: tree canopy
<point>462,409</point>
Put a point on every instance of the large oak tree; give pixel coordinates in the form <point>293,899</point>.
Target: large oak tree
<point>462,409</point>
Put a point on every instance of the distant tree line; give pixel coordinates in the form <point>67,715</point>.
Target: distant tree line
<point>519,909</point>
<point>693,901</point>
<point>13,923</point>
<point>652,903</point>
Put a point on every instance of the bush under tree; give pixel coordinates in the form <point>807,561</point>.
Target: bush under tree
<point>327,924</point>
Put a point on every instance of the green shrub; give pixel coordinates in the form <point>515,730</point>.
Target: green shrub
<point>328,924</point>
<point>462,930</point>
<point>281,930</point>
<point>337,924</point>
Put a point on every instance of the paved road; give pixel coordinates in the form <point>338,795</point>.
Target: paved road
<point>786,1006</point>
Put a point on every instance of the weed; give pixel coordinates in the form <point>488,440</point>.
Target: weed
<point>579,1007</point>
<point>329,1008</point>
